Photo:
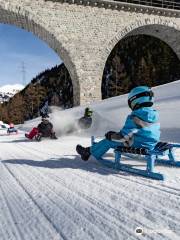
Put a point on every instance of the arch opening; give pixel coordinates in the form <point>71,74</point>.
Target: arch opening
<point>21,18</point>
<point>145,56</point>
<point>66,95</point>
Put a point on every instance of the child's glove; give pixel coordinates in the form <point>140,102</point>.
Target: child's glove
<point>109,134</point>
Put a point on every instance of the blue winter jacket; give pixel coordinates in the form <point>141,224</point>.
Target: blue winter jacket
<point>142,128</point>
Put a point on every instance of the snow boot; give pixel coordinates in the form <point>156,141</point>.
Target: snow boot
<point>38,137</point>
<point>27,135</point>
<point>53,136</point>
<point>84,152</point>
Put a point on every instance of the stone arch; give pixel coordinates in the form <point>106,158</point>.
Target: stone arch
<point>24,19</point>
<point>157,27</point>
<point>167,31</point>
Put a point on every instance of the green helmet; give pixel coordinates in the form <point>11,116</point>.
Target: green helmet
<point>88,112</point>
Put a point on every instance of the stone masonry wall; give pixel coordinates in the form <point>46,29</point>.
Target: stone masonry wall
<point>84,35</point>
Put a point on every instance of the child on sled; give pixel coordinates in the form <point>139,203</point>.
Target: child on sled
<point>12,129</point>
<point>86,121</point>
<point>44,129</point>
<point>141,129</point>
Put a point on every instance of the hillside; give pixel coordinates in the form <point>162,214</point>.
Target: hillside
<point>53,85</point>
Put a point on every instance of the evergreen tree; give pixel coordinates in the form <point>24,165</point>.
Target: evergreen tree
<point>139,60</point>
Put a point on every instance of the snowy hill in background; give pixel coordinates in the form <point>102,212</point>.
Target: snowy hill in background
<point>48,193</point>
<point>8,91</point>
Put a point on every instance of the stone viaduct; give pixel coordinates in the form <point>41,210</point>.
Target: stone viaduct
<point>83,33</point>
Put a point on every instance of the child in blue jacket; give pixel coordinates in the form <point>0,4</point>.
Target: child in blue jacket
<point>141,129</point>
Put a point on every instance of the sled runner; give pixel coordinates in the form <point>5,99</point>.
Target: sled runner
<point>39,136</point>
<point>151,156</point>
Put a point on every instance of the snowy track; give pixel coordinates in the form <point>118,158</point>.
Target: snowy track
<point>47,194</point>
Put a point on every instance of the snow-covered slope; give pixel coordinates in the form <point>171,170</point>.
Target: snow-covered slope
<point>48,193</point>
<point>8,91</point>
<point>3,125</point>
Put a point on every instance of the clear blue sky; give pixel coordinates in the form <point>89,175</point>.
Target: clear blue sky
<point>18,46</point>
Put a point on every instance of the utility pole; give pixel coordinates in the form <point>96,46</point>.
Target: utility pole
<point>23,70</point>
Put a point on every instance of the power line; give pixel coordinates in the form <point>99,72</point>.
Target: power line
<point>23,70</point>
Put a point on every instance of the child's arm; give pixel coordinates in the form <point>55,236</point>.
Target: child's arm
<point>127,132</point>
<point>111,135</point>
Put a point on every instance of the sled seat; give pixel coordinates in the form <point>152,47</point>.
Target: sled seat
<point>151,157</point>
<point>161,148</point>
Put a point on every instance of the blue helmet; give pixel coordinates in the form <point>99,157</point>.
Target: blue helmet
<point>141,96</point>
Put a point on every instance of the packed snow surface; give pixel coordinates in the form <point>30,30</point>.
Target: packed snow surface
<point>48,193</point>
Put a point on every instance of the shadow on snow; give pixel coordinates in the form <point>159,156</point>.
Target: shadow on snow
<point>75,163</point>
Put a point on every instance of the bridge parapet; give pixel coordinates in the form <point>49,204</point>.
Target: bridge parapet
<point>167,4</point>
<point>159,7</point>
